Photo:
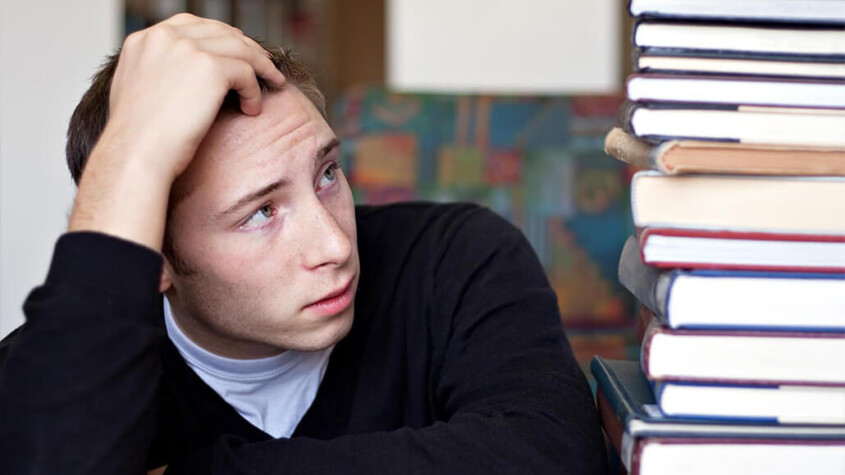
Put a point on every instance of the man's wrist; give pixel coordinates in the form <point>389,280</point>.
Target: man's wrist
<point>124,193</point>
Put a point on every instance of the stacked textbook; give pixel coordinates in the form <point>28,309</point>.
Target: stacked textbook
<point>738,111</point>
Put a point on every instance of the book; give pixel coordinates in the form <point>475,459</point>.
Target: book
<point>698,456</point>
<point>824,43</point>
<point>809,207</point>
<point>677,157</point>
<point>773,92</point>
<point>780,404</point>
<point>630,399</point>
<point>744,124</point>
<point>744,357</point>
<point>633,422</point>
<point>786,301</point>
<point>810,11</point>
<point>696,62</point>
<point>726,250</point>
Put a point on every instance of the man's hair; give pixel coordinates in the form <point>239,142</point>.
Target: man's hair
<point>90,116</point>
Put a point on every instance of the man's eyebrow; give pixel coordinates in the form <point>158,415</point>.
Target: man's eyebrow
<point>252,196</point>
<point>280,183</point>
<point>321,154</point>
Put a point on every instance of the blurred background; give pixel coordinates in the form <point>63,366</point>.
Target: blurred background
<point>500,102</point>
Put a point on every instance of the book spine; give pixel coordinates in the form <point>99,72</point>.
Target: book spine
<point>641,280</point>
<point>627,148</point>
<point>626,111</point>
<point>636,54</point>
<point>644,319</point>
<point>609,421</point>
<point>634,31</point>
<point>615,394</point>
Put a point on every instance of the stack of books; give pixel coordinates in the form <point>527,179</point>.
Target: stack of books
<point>738,111</point>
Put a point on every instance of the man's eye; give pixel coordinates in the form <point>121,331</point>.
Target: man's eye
<point>260,217</point>
<point>330,175</point>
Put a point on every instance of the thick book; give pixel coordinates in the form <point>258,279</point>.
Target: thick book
<point>727,456</point>
<point>771,92</point>
<point>826,43</point>
<point>638,429</point>
<point>697,62</point>
<point>735,300</point>
<point>789,11</point>
<point>744,357</point>
<point>779,404</point>
<point>732,123</point>
<point>676,157</point>
<point>809,207</point>
<point>729,250</point>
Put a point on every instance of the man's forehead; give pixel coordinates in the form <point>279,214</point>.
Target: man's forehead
<point>240,149</point>
<point>284,114</point>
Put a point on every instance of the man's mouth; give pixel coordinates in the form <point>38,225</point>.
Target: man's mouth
<point>335,301</point>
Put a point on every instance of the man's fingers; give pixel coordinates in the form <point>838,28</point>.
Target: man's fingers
<point>221,39</point>
<point>206,29</point>
<point>254,44</point>
<point>182,19</point>
<point>233,47</point>
<point>241,78</point>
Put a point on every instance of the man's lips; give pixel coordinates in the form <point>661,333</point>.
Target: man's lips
<point>335,301</point>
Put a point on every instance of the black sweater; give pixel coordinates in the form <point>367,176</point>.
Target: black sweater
<point>456,364</point>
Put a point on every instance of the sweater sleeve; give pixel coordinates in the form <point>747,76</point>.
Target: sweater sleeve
<point>78,379</point>
<point>513,398</point>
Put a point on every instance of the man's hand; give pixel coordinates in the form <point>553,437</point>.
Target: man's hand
<point>170,82</point>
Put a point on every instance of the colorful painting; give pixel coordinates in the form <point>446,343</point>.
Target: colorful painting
<point>536,161</point>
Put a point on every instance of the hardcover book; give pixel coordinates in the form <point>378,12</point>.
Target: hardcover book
<point>802,206</point>
<point>730,250</point>
<point>821,43</point>
<point>677,157</point>
<point>654,60</point>
<point>735,300</point>
<point>745,124</point>
<point>639,432</point>
<point>808,11</point>
<point>771,92</point>
<point>744,357</point>
<point>780,404</point>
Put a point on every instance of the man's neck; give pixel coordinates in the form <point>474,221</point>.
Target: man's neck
<point>212,341</point>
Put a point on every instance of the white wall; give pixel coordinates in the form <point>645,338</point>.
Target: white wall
<point>48,51</point>
<point>504,46</point>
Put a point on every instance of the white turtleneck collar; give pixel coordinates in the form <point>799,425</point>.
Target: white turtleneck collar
<point>272,393</point>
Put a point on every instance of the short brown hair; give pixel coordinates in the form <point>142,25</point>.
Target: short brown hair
<point>90,116</point>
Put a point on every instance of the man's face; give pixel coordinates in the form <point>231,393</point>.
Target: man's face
<point>267,230</point>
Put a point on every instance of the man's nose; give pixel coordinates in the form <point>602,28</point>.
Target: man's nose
<point>324,243</point>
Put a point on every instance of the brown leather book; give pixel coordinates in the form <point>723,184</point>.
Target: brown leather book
<point>677,157</point>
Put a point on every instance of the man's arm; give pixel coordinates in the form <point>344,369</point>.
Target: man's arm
<point>512,396</point>
<point>78,379</point>
<point>169,84</point>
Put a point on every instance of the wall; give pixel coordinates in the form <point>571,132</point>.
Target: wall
<point>48,51</point>
<point>502,46</point>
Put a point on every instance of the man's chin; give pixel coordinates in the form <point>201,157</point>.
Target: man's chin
<point>328,334</point>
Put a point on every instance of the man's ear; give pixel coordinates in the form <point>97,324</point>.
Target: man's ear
<point>166,277</point>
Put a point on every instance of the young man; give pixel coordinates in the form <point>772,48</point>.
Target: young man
<point>298,333</point>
